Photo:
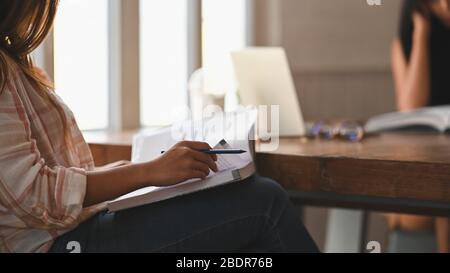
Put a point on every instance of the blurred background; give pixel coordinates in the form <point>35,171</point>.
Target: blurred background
<point>339,52</point>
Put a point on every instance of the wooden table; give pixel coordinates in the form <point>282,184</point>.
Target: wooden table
<point>396,172</point>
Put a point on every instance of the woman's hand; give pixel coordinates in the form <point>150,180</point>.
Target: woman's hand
<point>182,162</point>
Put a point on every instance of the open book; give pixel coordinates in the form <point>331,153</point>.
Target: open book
<point>437,118</point>
<point>232,168</point>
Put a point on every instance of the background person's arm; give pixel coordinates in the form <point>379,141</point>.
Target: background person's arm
<point>180,163</point>
<point>412,79</point>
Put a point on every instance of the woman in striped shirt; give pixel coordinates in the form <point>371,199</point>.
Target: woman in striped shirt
<point>51,194</point>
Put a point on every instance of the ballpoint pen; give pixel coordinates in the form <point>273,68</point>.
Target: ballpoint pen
<point>220,151</point>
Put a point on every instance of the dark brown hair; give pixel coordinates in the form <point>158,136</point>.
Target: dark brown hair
<point>24,24</point>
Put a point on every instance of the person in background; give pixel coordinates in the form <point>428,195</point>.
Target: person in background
<point>421,70</point>
<point>51,194</point>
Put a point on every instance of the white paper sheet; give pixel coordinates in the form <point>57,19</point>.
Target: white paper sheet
<point>235,128</point>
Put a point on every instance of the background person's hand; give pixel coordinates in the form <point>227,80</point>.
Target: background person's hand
<point>182,162</point>
<point>421,21</point>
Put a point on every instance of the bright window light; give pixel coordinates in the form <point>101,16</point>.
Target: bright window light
<point>81,60</point>
<point>224,30</point>
<point>164,60</point>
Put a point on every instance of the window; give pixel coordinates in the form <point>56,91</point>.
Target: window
<point>81,60</point>
<point>224,29</point>
<point>164,60</point>
<point>175,37</point>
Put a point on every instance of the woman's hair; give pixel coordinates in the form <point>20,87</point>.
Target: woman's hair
<point>407,26</point>
<point>24,24</point>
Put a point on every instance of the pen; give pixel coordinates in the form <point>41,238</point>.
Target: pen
<point>220,151</point>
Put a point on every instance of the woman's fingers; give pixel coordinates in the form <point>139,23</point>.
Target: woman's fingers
<point>205,159</point>
<point>199,166</point>
<point>198,146</point>
<point>195,174</point>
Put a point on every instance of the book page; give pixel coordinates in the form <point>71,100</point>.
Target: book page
<point>229,162</point>
<point>433,117</point>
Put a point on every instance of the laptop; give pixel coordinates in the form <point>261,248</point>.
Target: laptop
<point>263,77</point>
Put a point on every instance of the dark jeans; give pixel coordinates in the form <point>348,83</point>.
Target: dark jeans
<point>254,215</point>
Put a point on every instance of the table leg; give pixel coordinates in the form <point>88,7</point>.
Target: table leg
<point>345,231</point>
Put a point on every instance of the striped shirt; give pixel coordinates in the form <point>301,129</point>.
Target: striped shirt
<point>43,167</point>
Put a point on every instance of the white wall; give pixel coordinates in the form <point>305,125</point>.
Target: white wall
<point>339,51</point>
<point>338,34</point>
